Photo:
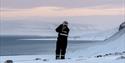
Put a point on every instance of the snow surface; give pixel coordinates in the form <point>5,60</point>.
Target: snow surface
<point>114,47</point>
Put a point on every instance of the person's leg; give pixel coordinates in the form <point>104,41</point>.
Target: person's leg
<point>57,53</point>
<point>63,48</point>
<point>58,49</point>
<point>63,51</point>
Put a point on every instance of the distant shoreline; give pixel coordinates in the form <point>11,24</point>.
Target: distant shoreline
<point>11,46</point>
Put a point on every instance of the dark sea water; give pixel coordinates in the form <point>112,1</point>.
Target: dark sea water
<point>12,45</point>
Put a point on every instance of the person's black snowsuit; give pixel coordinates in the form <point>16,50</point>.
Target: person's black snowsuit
<point>61,44</point>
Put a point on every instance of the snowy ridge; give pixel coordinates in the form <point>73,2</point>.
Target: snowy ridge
<point>116,35</point>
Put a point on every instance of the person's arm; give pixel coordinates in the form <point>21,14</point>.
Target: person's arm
<point>58,29</point>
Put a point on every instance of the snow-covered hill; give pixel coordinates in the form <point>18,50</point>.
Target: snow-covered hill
<point>115,43</point>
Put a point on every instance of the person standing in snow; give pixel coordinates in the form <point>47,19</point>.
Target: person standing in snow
<point>61,44</point>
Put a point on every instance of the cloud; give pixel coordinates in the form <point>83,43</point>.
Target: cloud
<point>61,3</point>
<point>60,11</point>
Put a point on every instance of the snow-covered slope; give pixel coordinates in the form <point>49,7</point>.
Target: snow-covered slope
<point>115,43</point>
<point>111,50</point>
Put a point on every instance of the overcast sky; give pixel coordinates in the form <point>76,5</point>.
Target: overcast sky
<point>16,9</point>
<point>104,12</point>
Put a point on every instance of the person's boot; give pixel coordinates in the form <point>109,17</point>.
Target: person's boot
<point>57,57</point>
<point>62,56</point>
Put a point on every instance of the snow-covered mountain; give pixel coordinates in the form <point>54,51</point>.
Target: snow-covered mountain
<point>78,31</point>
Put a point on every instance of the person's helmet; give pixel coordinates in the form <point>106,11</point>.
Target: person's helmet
<point>65,23</point>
